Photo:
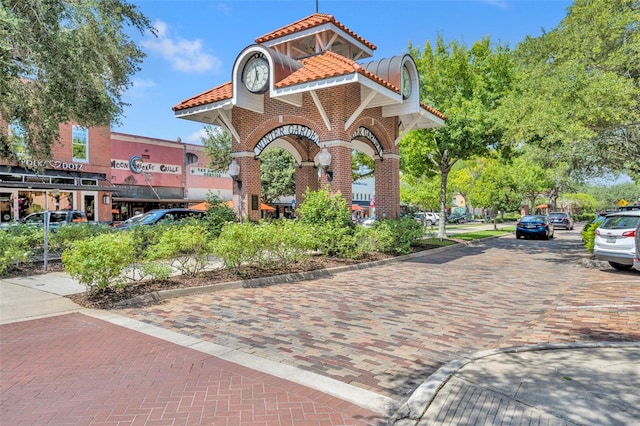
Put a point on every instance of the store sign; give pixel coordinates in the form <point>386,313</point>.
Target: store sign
<point>50,164</point>
<point>363,132</point>
<point>203,171</point>
<point>136,165</point>
<point>296,130</point>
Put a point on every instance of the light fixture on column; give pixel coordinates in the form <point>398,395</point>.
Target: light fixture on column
<point>234,172</point>
<point>325,161</point>
<point>106,199</point>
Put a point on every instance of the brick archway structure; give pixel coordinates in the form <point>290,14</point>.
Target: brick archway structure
<point>300,88</point>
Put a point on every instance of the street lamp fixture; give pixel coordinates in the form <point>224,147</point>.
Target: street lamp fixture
<point>234,172</point>
<point>325,161</point>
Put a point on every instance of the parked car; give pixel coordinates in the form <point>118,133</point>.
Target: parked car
<point>561,220</point>
<point>457,218</point>
<point>636,260</point>
<point>537,226</point>
<point>427,218</point>
<point>57,219</point>
<point>615,240</point>
<point>155,216</point>
<point>369,221</point>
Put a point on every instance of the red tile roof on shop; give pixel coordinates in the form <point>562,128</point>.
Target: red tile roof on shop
<point>219,93</point>
<point>311,21</point>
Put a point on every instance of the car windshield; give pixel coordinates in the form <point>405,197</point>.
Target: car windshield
<point>557,214</point>
<point>620,222</point>
<point>532,219</point>
<point>149,218</point>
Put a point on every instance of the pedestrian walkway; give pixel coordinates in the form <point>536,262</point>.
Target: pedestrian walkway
<point>62,363</point>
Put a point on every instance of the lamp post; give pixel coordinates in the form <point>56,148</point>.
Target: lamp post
<point>234,172</point>
<point>325,161</point>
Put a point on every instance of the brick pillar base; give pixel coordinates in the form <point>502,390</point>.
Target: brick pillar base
<point>250,188</point>
<point>388,187</point>
<point>341,168</point>
<point>306,178</point>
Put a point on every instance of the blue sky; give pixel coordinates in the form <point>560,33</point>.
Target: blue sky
<point>198,41</point>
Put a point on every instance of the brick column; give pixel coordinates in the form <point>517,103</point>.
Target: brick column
<point>306,177</point>
<point>341,168</point>
<point>250,186</point>
<point>388,187</point>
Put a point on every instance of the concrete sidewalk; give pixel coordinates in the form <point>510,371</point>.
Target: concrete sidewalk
<point>548,384</point>
<point>594,384</point>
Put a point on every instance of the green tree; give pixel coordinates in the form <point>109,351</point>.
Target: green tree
<point>533,181</point>
<point>421,192</point>
<point>497,188</point>
<point>465,84</point>
<point>577,90</point>
<point>217,146</point>
<point>64,61</point>
<point>277,174</point>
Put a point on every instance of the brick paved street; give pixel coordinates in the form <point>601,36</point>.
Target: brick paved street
<point>77,370</point>
<point>388,328</point>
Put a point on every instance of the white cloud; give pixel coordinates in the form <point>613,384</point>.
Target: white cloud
<point>184,55</point>
<point>503,4</point>
<point>196,137</point>
<point>139,87</point>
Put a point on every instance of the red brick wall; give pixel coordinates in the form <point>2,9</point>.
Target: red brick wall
<point>339,104</point>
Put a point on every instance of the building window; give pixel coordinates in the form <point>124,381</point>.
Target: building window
<point>17,140</point>
<point>80,138</point>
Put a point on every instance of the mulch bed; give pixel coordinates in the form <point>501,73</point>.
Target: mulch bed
<point>110,298</point>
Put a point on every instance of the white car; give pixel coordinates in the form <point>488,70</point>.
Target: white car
<point>636,261</point>
<point>615,239</point>
<point>427,218</point>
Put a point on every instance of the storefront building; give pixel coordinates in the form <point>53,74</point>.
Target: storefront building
<point>75,177</point>
<point>148,173</point>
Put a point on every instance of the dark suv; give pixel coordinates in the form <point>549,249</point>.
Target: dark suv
<point>561,220</point>
<point>160,216</point>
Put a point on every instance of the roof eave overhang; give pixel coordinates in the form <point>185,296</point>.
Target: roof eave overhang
<point>367,51</point>
<point>197,113</point>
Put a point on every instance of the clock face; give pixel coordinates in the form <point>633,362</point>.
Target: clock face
<point>406,83</point>
<point>256,75</point>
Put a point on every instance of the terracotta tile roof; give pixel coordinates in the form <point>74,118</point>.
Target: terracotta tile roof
<point>433,111</point>
<point>326,65</point>
<point>216,94</point>
<point>311,21</point>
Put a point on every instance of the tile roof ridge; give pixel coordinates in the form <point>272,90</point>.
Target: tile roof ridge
<point>311,21</point>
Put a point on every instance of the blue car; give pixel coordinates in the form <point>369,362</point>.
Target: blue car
<point>536,226</point>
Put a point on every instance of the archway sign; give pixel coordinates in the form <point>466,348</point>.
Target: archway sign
<point>304,87</point>
<point>295,130</point>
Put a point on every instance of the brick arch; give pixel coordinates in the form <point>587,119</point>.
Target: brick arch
<point>306,148</point>
<point>379,129</point>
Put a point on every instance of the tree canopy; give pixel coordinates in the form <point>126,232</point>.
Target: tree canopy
<point>64,61</point>
<point>465,84</point>
<point>577,89</point>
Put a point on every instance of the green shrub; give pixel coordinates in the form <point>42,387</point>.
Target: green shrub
<point>236,246</point>
<point>185,245</point>
<point>403,233</point>
<point>99,262</point>
<point>331,220</point>
<point>15,248</point>
<point>218,215</point>
<point>68,234</point>
<point>589,236</point>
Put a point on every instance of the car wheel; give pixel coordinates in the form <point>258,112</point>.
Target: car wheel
<point>518,236</point>
<point>620,266</point>
<point>429,223</point>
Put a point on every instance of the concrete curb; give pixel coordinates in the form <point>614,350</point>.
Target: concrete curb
<point>418,403</point>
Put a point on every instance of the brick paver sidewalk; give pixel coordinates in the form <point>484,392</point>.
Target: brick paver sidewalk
<point>75,369</point>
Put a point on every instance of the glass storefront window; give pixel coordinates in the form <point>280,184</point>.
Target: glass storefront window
<point>89,182</point>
